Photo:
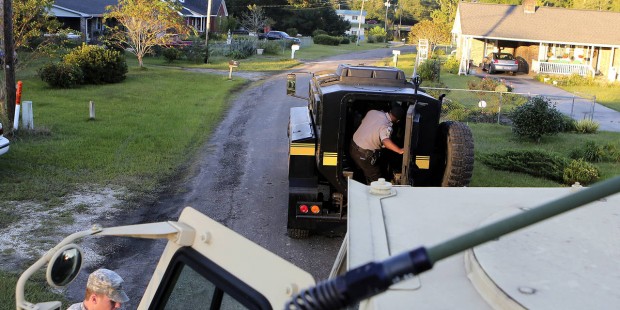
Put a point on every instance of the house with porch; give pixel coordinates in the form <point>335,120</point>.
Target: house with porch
<point>87,16</point>
<point>355,18</point>
<point>544,39</point>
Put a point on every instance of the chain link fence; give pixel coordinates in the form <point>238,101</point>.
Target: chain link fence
<point>483,106</point>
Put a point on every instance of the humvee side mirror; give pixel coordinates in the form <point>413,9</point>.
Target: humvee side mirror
<point>64,265</point>
<point>291,81</point>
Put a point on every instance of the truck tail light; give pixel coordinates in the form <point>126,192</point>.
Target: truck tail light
<point>303,208</point>
<point>315,209</point>
<point>495,61</point>
<point>516,62</point>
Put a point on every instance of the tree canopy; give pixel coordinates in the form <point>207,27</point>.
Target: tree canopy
<point>145,24</point>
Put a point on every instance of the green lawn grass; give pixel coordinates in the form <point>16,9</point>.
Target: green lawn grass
<point>144,128</point>
<point>266,62</point>
<point>607,96</point>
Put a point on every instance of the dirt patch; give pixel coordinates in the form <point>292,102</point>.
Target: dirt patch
<point>40,227</point>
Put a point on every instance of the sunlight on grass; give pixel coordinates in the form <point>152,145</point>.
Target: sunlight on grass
<point>265,62</point>
<point>607,96</point>
<point>155,118</point>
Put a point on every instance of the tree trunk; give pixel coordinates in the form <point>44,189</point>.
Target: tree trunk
<point>9,60</point>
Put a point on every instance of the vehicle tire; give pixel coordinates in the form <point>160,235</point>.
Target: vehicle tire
<point>297,233</point>
<point>455,155</point>
<point>491,69</point>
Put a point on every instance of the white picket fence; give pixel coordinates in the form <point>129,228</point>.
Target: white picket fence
<point>563,68</point>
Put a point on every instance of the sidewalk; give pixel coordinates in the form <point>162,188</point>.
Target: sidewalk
<point>568,103</point>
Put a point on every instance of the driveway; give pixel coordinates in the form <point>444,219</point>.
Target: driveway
<point>568,103</point>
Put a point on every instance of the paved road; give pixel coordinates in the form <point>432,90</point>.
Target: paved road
<point>566,102</point>
<point>240,180</point>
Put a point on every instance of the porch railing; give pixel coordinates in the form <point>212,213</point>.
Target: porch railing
<point>563,68</point>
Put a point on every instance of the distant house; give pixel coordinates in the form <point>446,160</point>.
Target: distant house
<point>545,39</point>
<point>87,16</point>
<point>355,18</point>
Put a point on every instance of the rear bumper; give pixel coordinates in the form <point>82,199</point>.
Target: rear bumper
<point>500,67</point>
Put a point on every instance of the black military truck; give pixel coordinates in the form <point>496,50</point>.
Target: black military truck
<point>436,154</point>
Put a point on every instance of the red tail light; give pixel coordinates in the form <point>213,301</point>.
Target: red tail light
<point>303,209</point>
<point>516,62</point>
<point>495,60</point>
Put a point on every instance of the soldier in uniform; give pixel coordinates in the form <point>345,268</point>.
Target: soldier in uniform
<point>372,135</point>
<point>104,291</point>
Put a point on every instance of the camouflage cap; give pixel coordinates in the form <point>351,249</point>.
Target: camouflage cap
<point>109,283</point>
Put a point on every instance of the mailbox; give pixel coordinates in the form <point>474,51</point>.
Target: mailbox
<point>233,63</point>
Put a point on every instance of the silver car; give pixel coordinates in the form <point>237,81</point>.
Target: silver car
<point>500,62</point>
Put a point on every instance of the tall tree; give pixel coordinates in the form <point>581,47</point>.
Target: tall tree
<point>255,19</point>
<point>145,24</point>
<point>435,32</point>
<point>24,20</point>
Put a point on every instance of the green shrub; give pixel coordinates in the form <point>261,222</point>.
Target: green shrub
<point>593,152</point>
<point>439,52</point>
<point>568,124</point>
<point>378,34</point>
<point>242,48</point>
<point>98,65</point>
<point>586,126</point>
<point>326,40</point>
<point>536,118</point>
<point>536,163</point>
<point>318,32</point>
<point>292,32</point>
<point>429,70</point>
<point>171,54</point>
<point>344,40</point>
<point>196,51</point>
<point>61,75</point>
<point>452,65</point>
<point>269,47</point>
<point>580,171</point>
<point>489,84</point>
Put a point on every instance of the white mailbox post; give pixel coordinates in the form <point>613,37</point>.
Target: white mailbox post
<point>294,47</point>
<point>395,57</point>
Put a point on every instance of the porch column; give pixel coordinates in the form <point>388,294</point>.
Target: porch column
<point>598,59</point>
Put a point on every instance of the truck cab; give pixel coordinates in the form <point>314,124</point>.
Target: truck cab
<point>436,153</point>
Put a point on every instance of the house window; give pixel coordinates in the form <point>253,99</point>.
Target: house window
<point>354,17</point>
<point>354,32</point>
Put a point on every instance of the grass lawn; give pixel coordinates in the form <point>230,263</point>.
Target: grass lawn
<point>607,96</point>
<point>265,62</point>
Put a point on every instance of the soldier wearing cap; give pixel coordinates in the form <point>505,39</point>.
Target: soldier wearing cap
<point>373,134</point>
<point>104,291</point>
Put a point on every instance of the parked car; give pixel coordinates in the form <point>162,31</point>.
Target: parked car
<point>500,62</point>
<point>241,30</point>
<point>4,142</point>
<point>280,35</point>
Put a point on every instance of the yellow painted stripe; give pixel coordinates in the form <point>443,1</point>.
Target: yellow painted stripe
<point>423,162</point>
<point>330,159</point>
<point>302,149</point>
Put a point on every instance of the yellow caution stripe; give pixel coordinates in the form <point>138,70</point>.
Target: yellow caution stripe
<point>423,162</point>
<point>330,159</point>
<point>302,149</point>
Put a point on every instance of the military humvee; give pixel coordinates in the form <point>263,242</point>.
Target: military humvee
<point>569,262</point>
<point>436,154</point>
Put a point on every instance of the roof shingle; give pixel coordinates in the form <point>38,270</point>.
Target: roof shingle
<point>547,24</point>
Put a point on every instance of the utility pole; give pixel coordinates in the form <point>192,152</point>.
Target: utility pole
<point>387,6</point>
<point>359,24</point>
<point>207,29</point>
<point>9,60</point>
